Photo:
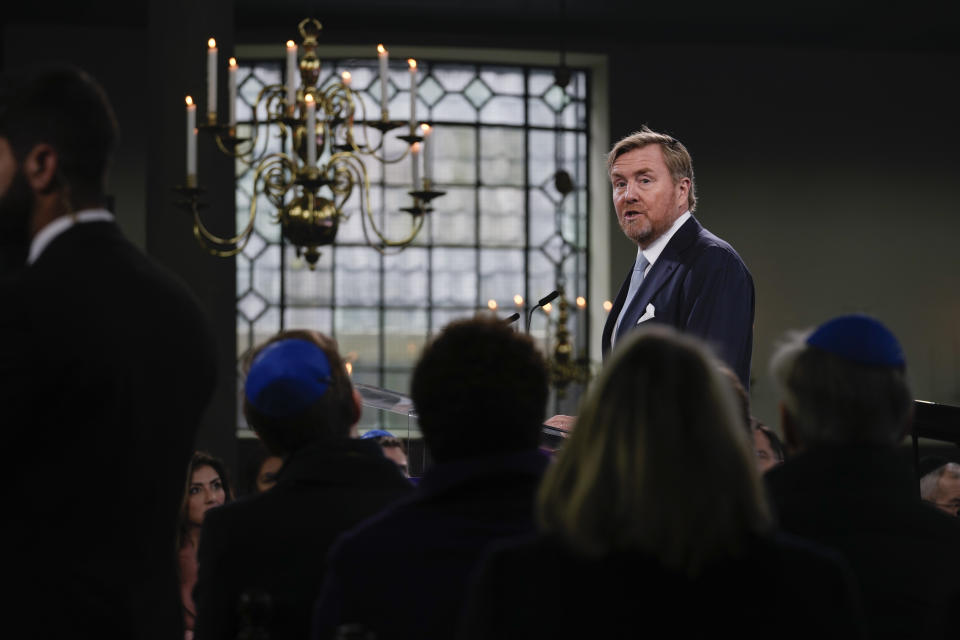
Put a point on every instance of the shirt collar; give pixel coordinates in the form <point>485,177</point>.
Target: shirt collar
<point>47,235</point>
<point>656,247</point>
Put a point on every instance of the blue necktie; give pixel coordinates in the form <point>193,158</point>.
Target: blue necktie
<point>636,278</point>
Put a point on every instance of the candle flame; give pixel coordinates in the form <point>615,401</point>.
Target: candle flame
<point>548,307</point>
<point>492,304</point>
<point>415,147</point>
<point>189,101</point>
<point>212,43</point>
<point>349,366</point>
<point>412,63</point>
<point>346,76</point>
<point>308,98</point>
<point>425,129</point>
<point>607,305</point>
<point>381,49</point>
<point>518,299</point>
<point>233,63</point>
<point>581,302</point>
<point>291,44</point>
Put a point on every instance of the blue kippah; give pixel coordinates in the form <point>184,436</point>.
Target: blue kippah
<point>286,377</point>
<point>859,338</point>
<point>377,433</point>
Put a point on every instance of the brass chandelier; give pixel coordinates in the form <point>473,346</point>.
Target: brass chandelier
<point>325,140</point>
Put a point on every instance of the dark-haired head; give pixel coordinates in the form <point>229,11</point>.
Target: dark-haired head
<point>479,388</point>
<point>198,460</point>
<point>63,107</point>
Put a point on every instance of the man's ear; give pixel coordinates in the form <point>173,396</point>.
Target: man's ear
<point>789,427</point>
<point>683,193</point>
<point>41,167</point>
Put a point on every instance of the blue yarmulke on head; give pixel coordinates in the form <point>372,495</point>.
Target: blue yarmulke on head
<point>377,433</point>
<point>287,377</point>
<point>859,338</point>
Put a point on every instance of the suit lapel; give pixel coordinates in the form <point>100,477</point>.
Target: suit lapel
<point>614,313</point>
<point>660,273</point>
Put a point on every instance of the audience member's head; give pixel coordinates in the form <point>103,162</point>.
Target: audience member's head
<point>260,470</point>
<point>57,134</point>
<point>392,447</point>
<point>741,396</point>
<point>207,486</point>
<point>843,384</point>
<point>767,445</point>
<point>659,460</point>
<point>480,388</point>
<point>940,483</point>
<point>298,392</point>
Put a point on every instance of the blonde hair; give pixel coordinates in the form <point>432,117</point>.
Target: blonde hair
<point>675,156</point>
<point>658,461</point>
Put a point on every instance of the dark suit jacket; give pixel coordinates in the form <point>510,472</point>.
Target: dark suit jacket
<point>700,286</point>
<point>106,365</point>
<point>864,502</point>
<point>403,574</point>
<point>276,542</point>
<point>778,587</point>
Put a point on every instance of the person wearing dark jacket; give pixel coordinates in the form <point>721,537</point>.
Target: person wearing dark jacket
<point>653,522</point>
<point>845,406</point>
<point>107,364</point>
<point>261,560</point>
<point>480,392</point>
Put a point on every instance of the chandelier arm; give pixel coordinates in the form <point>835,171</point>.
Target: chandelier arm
<point>354,164</point>
<point>206,238</point>
<point>214,243</point>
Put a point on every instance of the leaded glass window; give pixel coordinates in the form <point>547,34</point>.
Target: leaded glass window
<point>501,133</point>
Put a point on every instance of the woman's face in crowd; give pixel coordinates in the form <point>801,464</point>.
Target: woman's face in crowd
<point>206,491</point>
<point>766,458</point>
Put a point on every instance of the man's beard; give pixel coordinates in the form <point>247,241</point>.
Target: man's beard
<point>16,207</point>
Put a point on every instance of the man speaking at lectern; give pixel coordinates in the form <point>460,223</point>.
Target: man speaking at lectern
<point>683,276</point>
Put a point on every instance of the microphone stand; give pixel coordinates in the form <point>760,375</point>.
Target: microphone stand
<point>543,301</point>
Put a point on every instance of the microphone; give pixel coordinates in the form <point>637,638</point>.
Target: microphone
<point>544,300</point>
<point>511,318</point>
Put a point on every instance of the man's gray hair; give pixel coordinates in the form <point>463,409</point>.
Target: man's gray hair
<point>929,484</point>
<point>834,401</point>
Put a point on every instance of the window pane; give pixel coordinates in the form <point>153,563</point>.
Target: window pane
<point>454,277</point>
<point>501,157</point>
<point>405,335</point>
<point>501,276</point>
<point>357,276</point>
<point>358,336</point>
<point>501,216</point>
<point>405,279</point>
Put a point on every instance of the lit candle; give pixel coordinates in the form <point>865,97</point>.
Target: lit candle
<point>212,80</point>
<point>384,56</point>
<point>191,142</point>
<point>547,308</point>
<point>492,304</point>
<point>291,76</point>
<point>607,306</point>
<point>413,96</point>
<point>415,154</point>
<point>425,131</point>
<point>581,302</point>
<point>518,300</point>
<point>346,78</point>
<point>232,93</point>
<point>311,140</point>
